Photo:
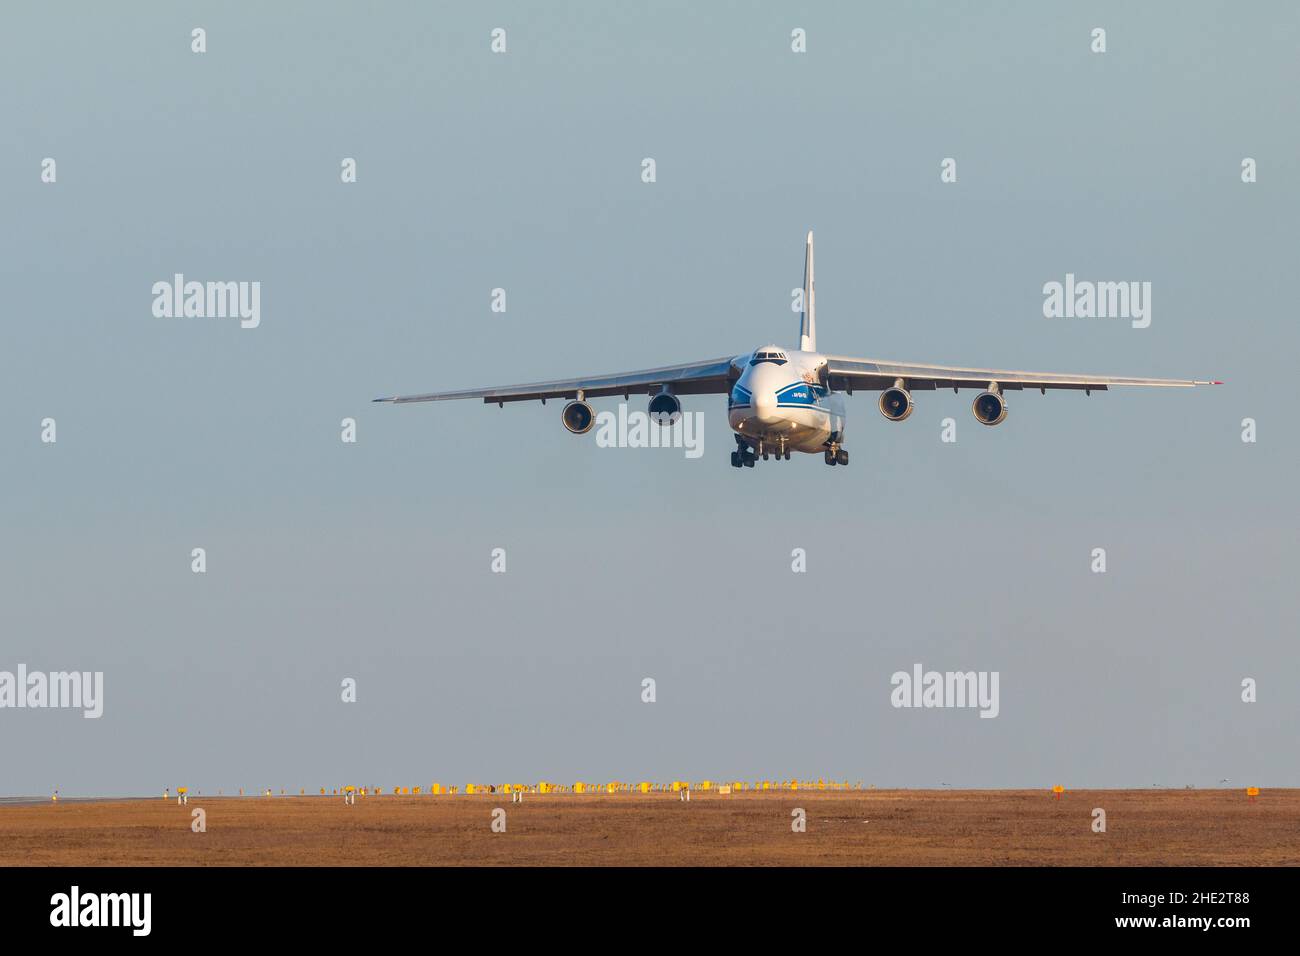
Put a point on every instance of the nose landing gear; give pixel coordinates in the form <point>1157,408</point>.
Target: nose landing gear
<point>746,454</point>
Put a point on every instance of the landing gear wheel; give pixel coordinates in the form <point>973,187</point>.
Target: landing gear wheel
<point>841,457</point>
<point>748,458</point>
<point>735,459</point>
<point>830,457</point>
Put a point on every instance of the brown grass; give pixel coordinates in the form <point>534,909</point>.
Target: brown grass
<point>881,827</point>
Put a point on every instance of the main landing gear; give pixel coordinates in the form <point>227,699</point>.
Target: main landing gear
<point>746,454</point>
<point>835,455</point>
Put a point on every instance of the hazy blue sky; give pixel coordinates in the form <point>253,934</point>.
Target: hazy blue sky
<point>371,561</point>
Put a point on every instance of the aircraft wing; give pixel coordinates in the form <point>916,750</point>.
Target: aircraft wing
<point>713,376</point>
<point>854,374</point>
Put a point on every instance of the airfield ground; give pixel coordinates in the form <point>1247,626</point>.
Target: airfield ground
<point>870,827</point>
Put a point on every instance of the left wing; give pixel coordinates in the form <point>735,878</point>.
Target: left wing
<point>849,374</point>
<point>713,376</point>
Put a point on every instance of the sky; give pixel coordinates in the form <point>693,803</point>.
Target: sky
<point>522,170</point>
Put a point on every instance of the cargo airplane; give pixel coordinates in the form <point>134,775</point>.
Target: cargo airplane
<point>780,401</point>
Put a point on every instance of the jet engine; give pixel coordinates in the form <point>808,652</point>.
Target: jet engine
<point>990,408</point>
<point>896,404</point>
<point>578,417</point>
<point>665,409</point>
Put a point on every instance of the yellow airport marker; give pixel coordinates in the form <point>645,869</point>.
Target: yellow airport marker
<point>1058,790</point>
<point>1252,793</point>
<point>182,795</point>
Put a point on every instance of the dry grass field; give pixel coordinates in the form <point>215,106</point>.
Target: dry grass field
<point>873,827</point>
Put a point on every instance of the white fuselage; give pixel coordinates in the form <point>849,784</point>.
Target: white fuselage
<point>780,403</point>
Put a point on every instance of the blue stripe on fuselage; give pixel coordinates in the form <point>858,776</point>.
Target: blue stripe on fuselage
<point>801,395</point>
<point>739,398</point>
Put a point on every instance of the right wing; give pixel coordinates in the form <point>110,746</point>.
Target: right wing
<point>713,376</point>
<point>847,374</point>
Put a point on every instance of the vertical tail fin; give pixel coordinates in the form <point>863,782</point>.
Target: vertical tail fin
<point>808,319</point>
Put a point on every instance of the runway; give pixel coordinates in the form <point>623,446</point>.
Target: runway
<point>860,827</point>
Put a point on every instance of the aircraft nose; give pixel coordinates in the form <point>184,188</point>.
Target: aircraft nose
<point>765,406</point>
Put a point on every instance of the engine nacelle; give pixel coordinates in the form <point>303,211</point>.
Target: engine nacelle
<point>665,409</point>
<point>990,408</point>
<point>896,404</point>
<point>578,417</point>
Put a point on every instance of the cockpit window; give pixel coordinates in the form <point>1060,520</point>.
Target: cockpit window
<point>776,358</point>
